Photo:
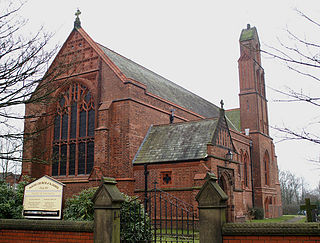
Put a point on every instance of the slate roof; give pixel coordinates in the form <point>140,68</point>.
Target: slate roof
<point>162,87</point>
<point>177,142</point>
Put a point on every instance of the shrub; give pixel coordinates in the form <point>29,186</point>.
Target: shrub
<point>80,207</point>
<point>11,200</point>
<point>251,213</point>
<point>135,224</point>
<point>258,213</point>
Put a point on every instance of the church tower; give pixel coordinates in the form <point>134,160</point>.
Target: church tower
<point>254,122</point>
<point>253,102</point>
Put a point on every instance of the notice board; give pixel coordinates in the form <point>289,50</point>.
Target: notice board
<point>43,199</point>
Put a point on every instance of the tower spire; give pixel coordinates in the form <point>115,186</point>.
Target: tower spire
<point>77,22</point>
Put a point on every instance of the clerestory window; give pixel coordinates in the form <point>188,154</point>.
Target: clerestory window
<point>73,139</point>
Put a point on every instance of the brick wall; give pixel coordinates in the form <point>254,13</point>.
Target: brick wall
<point>268,232</point>
<point>45,231</point>
<point>273,239</point>
<point>44,236</point>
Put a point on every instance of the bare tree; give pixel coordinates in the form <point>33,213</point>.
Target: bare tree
<point>290,187</point>
<point>24,76</point>
<point>301,55</point>
<point>291,191</point>
<point>6,165</point>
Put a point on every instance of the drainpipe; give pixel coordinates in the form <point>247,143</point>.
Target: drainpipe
<point>251,168</point>
<point>146,173</point>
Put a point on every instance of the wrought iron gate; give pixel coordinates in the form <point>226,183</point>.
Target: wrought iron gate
<point>172,219</point>
<point>168,218</point>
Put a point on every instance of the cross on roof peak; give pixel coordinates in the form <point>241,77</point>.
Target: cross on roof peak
<point>77,23</point>
<point>78,12</point>
<point>222,104</point>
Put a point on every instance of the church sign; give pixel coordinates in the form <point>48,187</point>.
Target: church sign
<point>43,199</point>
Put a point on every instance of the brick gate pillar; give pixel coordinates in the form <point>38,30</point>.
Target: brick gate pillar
<point>107,201</point>
<point>212,210</point>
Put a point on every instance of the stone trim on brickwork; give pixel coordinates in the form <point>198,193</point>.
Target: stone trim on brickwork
<point>46,225</point>
<point>282,229</point>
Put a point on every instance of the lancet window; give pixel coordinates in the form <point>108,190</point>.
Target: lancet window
<point>266,162</point>
<point>73,139</point>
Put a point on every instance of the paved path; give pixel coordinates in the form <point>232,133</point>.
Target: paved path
<point>295,219</point>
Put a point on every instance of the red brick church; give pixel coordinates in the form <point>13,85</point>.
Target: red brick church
<point>113,117</point>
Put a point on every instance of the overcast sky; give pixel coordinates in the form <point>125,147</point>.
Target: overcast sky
<point>195,44</point>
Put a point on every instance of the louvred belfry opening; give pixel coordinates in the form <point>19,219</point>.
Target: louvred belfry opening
<point>73,141</point>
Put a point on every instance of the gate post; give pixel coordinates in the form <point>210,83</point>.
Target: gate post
<point>212,210</point>
<point>107,201</point>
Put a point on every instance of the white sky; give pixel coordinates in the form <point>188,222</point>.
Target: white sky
<point>195,44</point>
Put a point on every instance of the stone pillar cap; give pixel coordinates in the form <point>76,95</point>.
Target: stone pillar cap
<point>107,194</point>
<point>211,194</point>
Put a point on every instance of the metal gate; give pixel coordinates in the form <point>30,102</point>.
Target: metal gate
<point>166,218</point>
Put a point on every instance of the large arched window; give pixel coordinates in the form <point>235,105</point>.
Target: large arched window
<point>266,162</point>
<point>73,139</point>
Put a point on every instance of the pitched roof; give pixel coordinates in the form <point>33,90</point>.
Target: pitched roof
<point>177,142</point>
<point>162,87</point>
<point>249,33</point>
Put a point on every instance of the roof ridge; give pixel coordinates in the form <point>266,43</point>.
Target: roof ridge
<point>158,75</point>
<point>140,65</point>
<point>185,122</point>
<point>137,64</point>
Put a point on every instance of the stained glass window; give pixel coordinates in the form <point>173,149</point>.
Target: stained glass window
<point>73,135</point>
<point>72,159</point>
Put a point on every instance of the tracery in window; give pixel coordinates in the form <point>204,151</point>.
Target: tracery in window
<point>73,139</point>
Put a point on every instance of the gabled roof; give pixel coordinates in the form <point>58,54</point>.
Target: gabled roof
<point>249,33</point>
<point>162,87</point>
<point>155,84</point>
<point>177,142</point>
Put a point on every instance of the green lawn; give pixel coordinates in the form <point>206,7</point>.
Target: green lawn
<point>281,219</point>
<point>302,220</point>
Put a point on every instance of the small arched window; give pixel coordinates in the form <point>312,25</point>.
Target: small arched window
<point>258,81</point>
<point>73,139</point>
<point>266,163</point>
<point>263,85</point>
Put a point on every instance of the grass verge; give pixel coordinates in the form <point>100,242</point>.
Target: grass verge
<point>281,219</point>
